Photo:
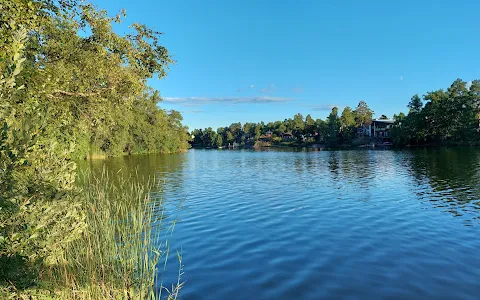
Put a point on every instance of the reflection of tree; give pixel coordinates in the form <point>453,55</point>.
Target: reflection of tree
<point>140,168</point>
<point>162,173</point>
<point>357,165</point>
<point>299,164</point>
<point>333,164</point>
<point>453,176</point>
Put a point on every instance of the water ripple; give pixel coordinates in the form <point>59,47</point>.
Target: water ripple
<point>338,224</point>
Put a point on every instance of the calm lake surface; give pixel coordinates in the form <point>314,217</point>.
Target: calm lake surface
<point>321,224</point>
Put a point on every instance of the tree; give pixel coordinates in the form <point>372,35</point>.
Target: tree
<point>383,117</point>
<point>348,127</point>
<point>475,96</point>
<point>282,129</point>
<point>309,124</point>
<point>219,141</point>
<point>450,115</point>
<point>399,117</point>
<point>415,105</point>
<point>63,96</point>
<point>298,122</point>
<point>348,117</point>
<point>230,137</point>
<point>333,125</point>
<point>258,131</point>
<point>363,114</point>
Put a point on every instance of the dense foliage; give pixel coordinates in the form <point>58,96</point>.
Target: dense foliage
<point>88,82</point>
<point>443,117</point>
<point>335,130</point>
<point>69,88</point>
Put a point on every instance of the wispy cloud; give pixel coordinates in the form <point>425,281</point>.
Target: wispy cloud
<point>269,89</point>
<point>322,107</point>
<point>401,78</point>
<point>188,101</point>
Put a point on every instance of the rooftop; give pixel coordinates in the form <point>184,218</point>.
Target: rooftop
<point>383,121</point>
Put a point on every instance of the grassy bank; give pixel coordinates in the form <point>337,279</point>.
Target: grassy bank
<point>115,254</point>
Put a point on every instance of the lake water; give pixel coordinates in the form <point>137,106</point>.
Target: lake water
<point>322,224</point>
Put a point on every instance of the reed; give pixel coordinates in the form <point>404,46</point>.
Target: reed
<point>118,255</point>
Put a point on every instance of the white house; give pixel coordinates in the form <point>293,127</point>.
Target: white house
<point>377,128</point>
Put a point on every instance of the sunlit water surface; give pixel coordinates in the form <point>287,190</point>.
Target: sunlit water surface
<point>320,224</point>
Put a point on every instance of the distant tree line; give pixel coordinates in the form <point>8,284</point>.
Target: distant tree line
<point>336,129</point>
<point>442,117</point>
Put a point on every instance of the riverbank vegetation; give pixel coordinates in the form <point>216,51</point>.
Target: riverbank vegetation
<point>441,117</point>
<point>71,88</point>
<point>81,83</point>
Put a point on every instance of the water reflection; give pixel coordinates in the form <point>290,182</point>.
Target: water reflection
<point>447,178</point>
<point>453,177</point>
<point>285,224</point>
<point>157,171</point>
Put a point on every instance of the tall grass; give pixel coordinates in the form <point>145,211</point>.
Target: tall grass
<point>118,254</point>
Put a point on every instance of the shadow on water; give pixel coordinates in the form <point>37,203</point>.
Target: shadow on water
<point>453,176</point>
<point>158,171</point>
<point>156,166</point>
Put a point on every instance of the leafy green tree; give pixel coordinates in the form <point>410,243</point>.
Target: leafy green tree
<point>258,131</point>
<point>399,117</point>
<point>298,124</point>
<point>230,137</point>
<point>348,128</point>
<point>218,141</point>
<point>333,125</point>
<point>449,116</point>
<point>415,105</point>
<point>309,124</point>
<point>363,114</point>
<point>474,93</point>
<point>281,129</point>
<point>348,117</point>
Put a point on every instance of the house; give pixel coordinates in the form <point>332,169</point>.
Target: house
<point>309,136</point>
<point>377,128</point>
<point>268,134</point>
<point>364,130</point>
<point>249,137</point>
<point>286,136</point>
<point>382,128</point>
<point>233,146</point>
<point>265,138</point>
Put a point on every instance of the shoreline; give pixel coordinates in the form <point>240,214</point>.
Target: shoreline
<point>348,147</point>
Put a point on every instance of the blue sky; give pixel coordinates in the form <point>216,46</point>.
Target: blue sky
<point>254,60</point>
